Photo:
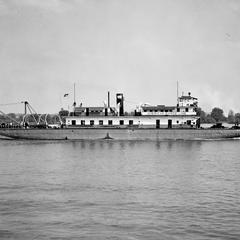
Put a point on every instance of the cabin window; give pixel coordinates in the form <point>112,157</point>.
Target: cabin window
<point>178,109</point>
<point>166,110</point>
<point>170,110</point>
<point>73,122</point>
<point>161,110</point>
<point>130,122</point>
<point>110,122</point>
<point>100,122</point>
<point>186,109</point>
<point>91,122</point>
<point>82,122</point>
<point>177,121</point>
<point>121,122</point>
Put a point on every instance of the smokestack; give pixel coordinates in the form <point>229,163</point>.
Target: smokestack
<point>108,99</point>
<point>120,100</point>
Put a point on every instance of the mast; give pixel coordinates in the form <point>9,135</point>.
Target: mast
<point>74,96</point>
<point>25,107</point>
<point>177,95</point>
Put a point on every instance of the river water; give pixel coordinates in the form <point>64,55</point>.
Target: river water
<point>119,190</point>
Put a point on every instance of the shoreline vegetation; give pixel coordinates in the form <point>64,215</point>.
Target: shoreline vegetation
<point>215,116</point>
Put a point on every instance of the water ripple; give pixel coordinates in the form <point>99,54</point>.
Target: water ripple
<point>119,190</point>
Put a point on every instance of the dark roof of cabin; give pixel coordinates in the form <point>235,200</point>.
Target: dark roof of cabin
<point>188,97</point>
<point>158,107</point>
<point>82,109</point>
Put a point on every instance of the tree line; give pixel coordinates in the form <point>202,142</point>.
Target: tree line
<point>217,115</point>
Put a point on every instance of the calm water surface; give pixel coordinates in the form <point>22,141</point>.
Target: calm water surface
<point>119,190</point>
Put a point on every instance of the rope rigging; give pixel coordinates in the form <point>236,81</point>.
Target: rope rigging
<point>28,117</point>
<point>8,104</point>
<point>9,117</point>
<point>27,107</point>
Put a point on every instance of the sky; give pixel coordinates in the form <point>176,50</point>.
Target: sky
<point>141,48</point>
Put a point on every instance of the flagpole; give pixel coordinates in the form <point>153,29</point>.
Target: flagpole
<point>177,94</point>
<point>74,96</point>
<point>61,104</point>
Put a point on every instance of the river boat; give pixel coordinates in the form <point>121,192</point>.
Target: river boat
<point>159,122</point>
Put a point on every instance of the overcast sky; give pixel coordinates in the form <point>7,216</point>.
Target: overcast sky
<point>138,47</point>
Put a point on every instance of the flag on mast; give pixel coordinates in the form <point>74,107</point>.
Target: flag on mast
<point>66,94</point>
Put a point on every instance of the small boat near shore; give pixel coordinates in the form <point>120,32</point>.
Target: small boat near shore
<point>148,122</point>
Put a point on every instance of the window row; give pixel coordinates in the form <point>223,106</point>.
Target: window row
<point>100,122</point>
<point>157,110</point>
<point>178,110</point>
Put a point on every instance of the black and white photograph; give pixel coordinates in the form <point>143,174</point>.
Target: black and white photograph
<point>119,119</point>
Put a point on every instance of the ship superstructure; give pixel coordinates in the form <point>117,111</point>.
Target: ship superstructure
<point>183,115</point>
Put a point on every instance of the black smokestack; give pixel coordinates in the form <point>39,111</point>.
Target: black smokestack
<point>108,99</point>
<point>120,103</point>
